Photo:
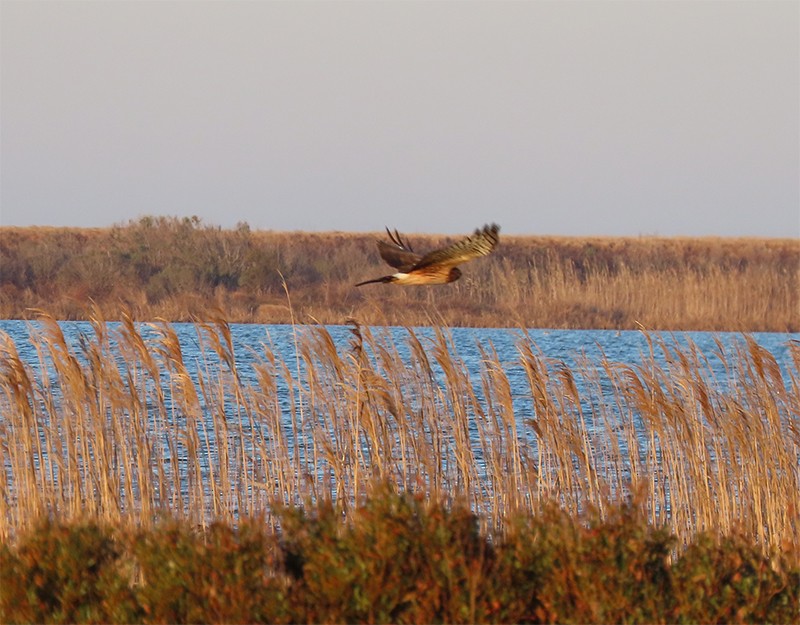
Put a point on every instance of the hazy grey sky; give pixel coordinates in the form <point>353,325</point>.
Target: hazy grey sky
<point>579,118</point>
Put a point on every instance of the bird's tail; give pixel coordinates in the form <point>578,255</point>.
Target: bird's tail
<point>383,279</point>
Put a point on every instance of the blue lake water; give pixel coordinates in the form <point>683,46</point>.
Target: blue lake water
<point>569,346</point>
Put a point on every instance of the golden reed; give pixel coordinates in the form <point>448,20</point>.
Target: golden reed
<point>122,431</point>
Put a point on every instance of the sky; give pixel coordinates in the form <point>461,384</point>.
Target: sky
<point>620,118</point>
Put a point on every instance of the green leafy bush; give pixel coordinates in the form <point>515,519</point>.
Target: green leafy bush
<point>553,568</point>
<point>396,559</point>
<point>400,560</point>
<point>224,576</point>
<point>732,582</point>
<point>65,574</point>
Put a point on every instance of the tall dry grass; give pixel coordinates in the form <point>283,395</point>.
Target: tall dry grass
<point>122,430</point>
<point>172,269</point>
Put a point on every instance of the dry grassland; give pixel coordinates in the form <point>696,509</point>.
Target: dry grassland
<point>180,269</point>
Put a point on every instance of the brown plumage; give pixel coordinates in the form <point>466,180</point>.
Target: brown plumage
<point>437,267</point>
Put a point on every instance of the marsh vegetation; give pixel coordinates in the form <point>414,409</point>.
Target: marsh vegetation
<point>178,269</point>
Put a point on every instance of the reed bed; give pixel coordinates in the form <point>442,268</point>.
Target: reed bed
<point>121,429</point>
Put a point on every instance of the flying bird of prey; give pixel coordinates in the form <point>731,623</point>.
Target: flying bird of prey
<point>437,267</point>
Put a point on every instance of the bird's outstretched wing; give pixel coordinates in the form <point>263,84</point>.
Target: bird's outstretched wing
<point>438,267</point>
<point>480,243</point>
<point>398,253</point>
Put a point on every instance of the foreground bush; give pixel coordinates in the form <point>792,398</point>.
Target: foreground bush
<point>398,559</point>
<point>65,574</point>
<point>224,576</point>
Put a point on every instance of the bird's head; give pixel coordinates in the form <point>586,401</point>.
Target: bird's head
<point>455,274</point>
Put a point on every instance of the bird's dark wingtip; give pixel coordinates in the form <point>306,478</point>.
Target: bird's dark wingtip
<point>397,239</point>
